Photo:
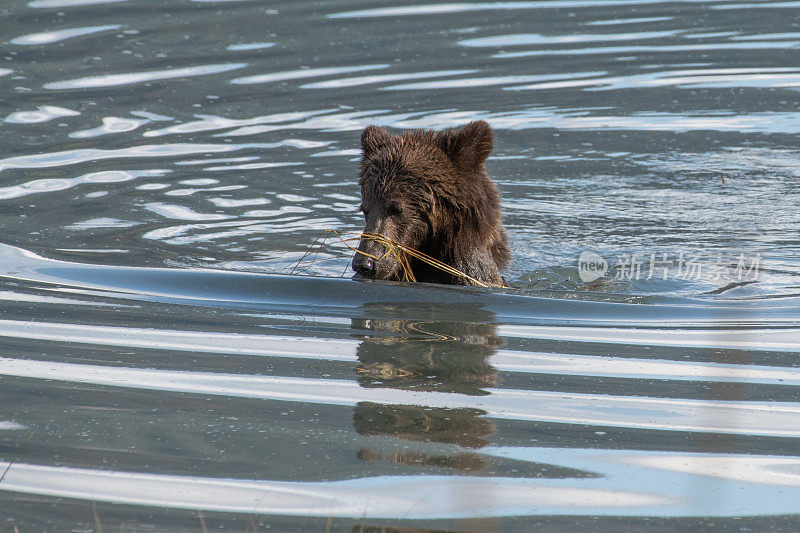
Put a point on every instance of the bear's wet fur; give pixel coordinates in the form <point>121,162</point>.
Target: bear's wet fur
<point>430,191</point>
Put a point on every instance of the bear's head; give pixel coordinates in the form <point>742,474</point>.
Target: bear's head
<point>429,191</point>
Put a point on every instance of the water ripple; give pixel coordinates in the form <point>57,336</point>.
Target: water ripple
<point>179,212</point>
<point>61,184</point>
<point>194,233</point>
<point>759,5</point>
<point>72,157</point>
<point>784,339</point>
<point>665,414</point>
<point>44,113</point>
<point>615,50</point>
<point>191,341</point>
<point>445,8</point>
<point>370,80</point>
<point>110,125</point>
<point>49,4</point>
<point>537,117</point>
<point>514,361</point>
<point>489,81</point>
<point>249,46</point>
<point>215,122</point>
<point>535,38</point>
<point>131,78</point>
<point>48,37</point>
<point>629,367</point>
<point>401,497</point>
<point>765,484</point>
<point>253,166</point>
<point>683,78</point>
<point>303,73</point>
<point>616,22</point>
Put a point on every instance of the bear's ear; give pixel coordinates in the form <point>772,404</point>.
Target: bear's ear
<point>374,138</point>
<point>470,146</point>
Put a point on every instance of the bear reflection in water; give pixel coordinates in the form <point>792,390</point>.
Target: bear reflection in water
<point>447,357</point>
<point>427,355</point>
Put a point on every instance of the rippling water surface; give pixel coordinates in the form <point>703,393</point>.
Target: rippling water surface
<point>168,361</point>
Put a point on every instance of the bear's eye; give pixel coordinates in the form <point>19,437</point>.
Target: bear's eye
<point>393,210</point>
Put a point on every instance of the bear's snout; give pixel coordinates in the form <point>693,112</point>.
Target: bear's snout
<point>364,265</point>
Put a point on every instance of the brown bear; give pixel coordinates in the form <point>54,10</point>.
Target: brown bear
<point>429,191</point>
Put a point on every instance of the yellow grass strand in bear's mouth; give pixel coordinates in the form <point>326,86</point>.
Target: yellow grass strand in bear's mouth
<point>400,252</point>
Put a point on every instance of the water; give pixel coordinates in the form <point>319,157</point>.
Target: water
<point>168,364</point>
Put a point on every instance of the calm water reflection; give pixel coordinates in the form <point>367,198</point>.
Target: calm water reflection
<point>165,164</point>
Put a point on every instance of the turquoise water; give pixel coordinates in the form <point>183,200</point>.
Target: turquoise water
<point>170,360</point>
